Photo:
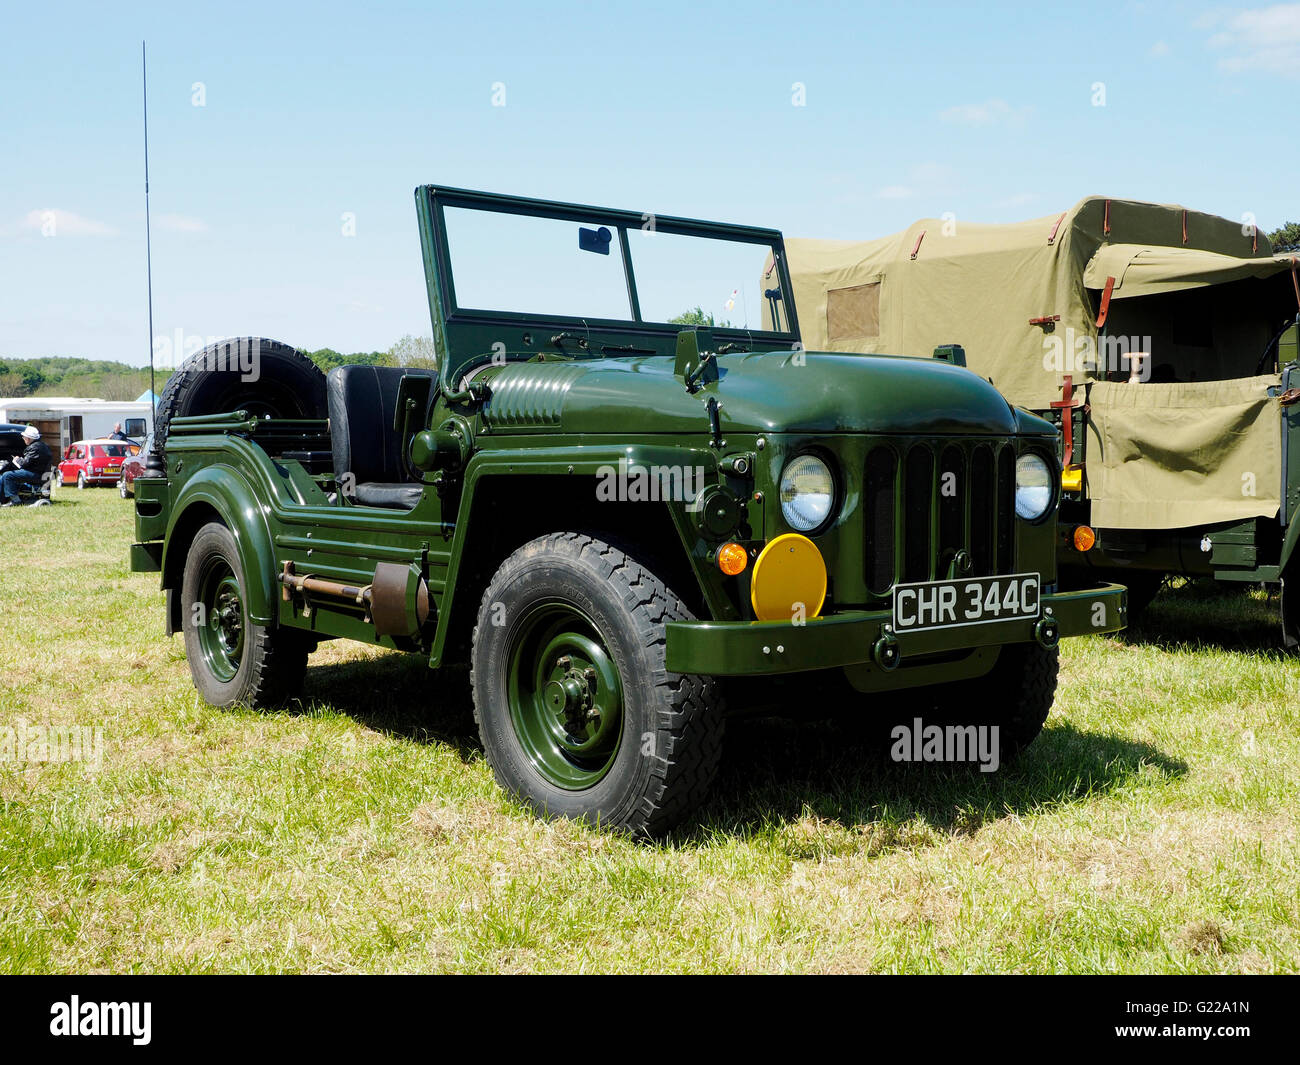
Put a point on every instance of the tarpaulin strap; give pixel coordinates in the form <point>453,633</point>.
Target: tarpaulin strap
<point>1045,319</point>
<point>1051,239</point>
<point>1105,222</point>
<point>1184,225</point>
<point>917,246</point>
<point>1066,406</point>
<point>1105,302</point>
<point>1254,242</point>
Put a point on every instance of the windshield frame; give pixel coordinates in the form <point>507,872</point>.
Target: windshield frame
<point>467,334</point>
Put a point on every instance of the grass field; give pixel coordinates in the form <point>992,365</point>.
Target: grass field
<point>1152,827</point>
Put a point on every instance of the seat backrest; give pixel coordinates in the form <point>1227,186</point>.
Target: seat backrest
<point>362,405</point>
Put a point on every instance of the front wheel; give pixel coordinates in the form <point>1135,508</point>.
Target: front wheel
<point>233,659</point>
<point>81,479</point>
<point>577,715</point>
<point>1016,695</point>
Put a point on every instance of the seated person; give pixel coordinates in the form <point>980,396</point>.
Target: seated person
<point>31,467</point>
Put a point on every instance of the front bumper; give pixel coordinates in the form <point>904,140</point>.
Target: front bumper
<point>746,648</point>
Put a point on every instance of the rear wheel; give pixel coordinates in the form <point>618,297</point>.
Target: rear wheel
<point>121,488</point>
<point>577,715</point>
<point>233,659</point>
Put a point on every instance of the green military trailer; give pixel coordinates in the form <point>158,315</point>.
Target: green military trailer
<point>607,515</point>
<point>1160,340</point>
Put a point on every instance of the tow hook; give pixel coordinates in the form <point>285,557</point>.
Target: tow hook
<point>884,652</point>
<point>1047,632</point>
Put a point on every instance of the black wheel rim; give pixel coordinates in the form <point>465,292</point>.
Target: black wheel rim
<point>221,621</point>
<point>566,696</point>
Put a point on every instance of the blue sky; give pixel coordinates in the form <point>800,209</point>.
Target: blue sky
<point>314,111</point>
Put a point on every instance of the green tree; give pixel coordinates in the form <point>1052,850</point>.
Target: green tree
<point>1286,237</point>
<point>695,316</point>
<point>414,351</point>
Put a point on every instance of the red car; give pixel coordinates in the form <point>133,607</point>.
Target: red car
<point>95,462</point>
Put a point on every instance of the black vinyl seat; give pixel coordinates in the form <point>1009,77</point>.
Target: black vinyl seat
<point>368,461</point>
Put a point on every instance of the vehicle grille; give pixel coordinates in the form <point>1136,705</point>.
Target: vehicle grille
<point>925,503</point>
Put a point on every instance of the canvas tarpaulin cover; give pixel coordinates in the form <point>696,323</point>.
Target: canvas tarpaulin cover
<point>1141,270</point>
<point>1023,300</point>
<point>1170,456</point>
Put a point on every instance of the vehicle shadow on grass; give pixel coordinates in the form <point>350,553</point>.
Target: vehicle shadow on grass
<point>778,773</point>
<point>397,695</point>
<point>1196,617</point>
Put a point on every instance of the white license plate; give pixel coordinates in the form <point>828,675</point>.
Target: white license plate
<point>971,601</point>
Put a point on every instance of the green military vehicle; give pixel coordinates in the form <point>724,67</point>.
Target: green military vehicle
<point>1161,341</point>
<point>606,515</point>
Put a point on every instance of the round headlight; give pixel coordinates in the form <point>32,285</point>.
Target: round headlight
<point>807,492</point>
<point>1033,487</point>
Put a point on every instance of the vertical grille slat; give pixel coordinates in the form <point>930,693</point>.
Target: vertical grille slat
<point>952,504</point>
<point>879,490</point>
<point>918,504</point>
<point>924,503</point>
<point>982,514</point>
<point>1006,510</point>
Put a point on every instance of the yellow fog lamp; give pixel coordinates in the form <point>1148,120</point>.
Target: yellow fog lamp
<point>789,580</point>
<point>1072,478</point>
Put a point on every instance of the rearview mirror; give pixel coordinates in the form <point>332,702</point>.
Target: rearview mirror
<point>594,240</point>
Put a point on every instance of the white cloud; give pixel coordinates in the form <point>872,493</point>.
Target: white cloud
<point>1263,39</point>
<point>895,192</point>
<point>1159,50</point>
<point>988,113</point>
<point>56,222</point>
<point>181,223</point>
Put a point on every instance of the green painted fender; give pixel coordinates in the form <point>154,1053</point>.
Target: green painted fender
<point>231,496</point>
<point>564,461</point>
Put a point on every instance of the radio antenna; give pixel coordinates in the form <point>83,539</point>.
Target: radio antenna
<point>148,249</point>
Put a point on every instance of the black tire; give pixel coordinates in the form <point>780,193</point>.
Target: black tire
<point>270,663</point>
<point>287,385</point>
<point>670,725</point>
<point>122,489</point>
<point>81,480</point>
<point>1016,695</point>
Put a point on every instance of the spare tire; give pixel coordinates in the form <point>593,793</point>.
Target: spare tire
<point>254,374</point>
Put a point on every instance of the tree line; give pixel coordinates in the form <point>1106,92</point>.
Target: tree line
<point>64,375</point>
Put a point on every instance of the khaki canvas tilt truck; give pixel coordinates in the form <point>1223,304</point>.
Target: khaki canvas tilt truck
<point>1162,342</point>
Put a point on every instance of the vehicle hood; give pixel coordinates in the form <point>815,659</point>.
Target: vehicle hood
<point>762,392</point>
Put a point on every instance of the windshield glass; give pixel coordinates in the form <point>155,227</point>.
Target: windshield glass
<point>530,264</point>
